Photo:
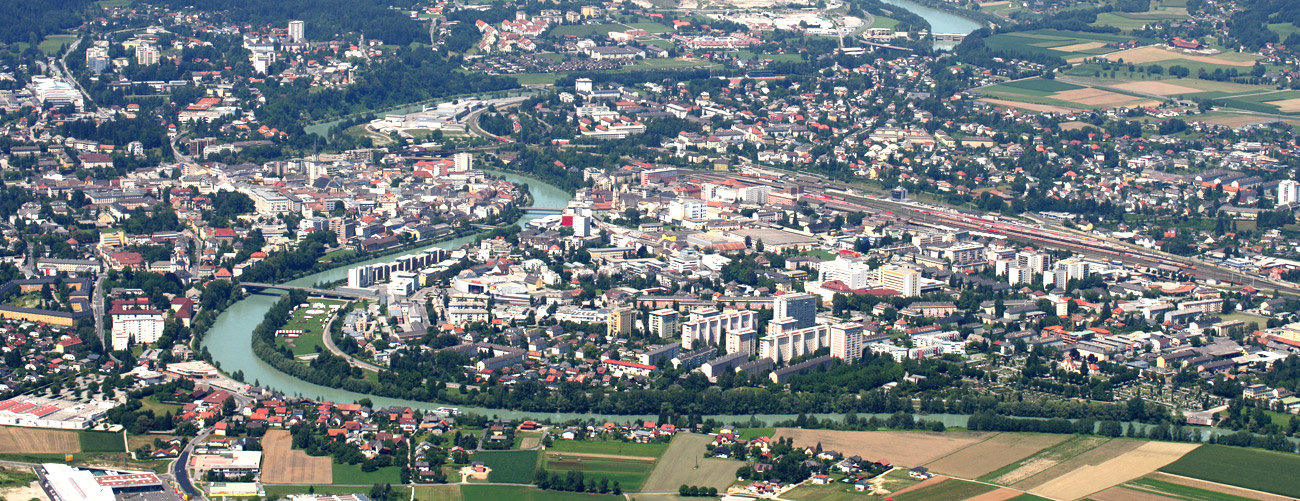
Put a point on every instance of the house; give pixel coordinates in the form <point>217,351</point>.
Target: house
<point>920,472</point>
<point>722,452</point>
<point>821,479</point>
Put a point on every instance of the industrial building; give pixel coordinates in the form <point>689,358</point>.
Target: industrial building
<point>41,412</point>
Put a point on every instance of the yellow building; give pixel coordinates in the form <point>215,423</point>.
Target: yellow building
<point>619,322</point>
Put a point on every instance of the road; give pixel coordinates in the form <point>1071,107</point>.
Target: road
<point>471,122</point>
<point>180,467</point>
<point>328,341</point>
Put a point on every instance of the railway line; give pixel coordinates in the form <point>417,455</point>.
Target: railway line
<point>819,189</point>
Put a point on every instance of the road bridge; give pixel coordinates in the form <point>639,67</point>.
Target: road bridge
<point>311,291</point>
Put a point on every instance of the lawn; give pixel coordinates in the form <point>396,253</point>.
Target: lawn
<point>753,433</point>
<point>98,441</point>
<point>509,467</point>
<point>948,489</point>
<point>537,78</point>
<point>53,43</point>
<point>611,447</point>
<point>883,22</point>
<point>834,491</point>
<point>629,473</point>
<point>158,408</point>
<point>1249,468</point>
<point>660,63</point>
<point>657,28</point>
<point>587,30</point>
<point>351,474</point>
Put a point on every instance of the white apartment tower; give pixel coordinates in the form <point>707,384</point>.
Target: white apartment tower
<point>1288,192</point>
<point>296,31</point>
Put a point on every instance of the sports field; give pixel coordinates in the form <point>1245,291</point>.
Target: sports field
<point>40,441</point>
<point>1249,468</point>
<point>901,448</point>
<point>281,464</point>
<point>678,466</point>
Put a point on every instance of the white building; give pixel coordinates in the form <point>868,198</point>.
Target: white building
<point>734,330</point>
<point>1288,192</point>
<point>854,273</point>
<point>138,326</point>
<point>297,31</point>
<point>663,323</point>
<point>147,55</point>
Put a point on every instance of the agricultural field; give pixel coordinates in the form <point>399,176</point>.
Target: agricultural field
<point>1129,21</point>
<point>899,448</point>
<point>1066,44</point>
<point>1063,94</point>
<point>998,451</point>
<point>509,467</point>
<point>1152,54</point>
<point>608,447</point>
<point>1247,468</point>
<point>281,464</point>
<point>1185,488</point>
<point>98,441</point>
<point>678,466</point>
<point>1015,473</point>
<point>948,489</point>
<point>41,441</point>
<point>520,493</point>
<point>753,433</point>
<point>629,472</point>
<point>1091,478</point>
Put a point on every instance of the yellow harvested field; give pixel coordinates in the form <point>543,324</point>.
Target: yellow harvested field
<point>1133,464</point>
<point>1080,47</point>
<point>1075,125</point>
<point>684,463</point>
<point>1149,54</point>
<point>994,4</point>
<point>38,441</point>
<point>1040,468</point>
<point>1096,97</point>
<point>986,457</point>
<point>1287,105</point>
<point>1002,494</point>
<point>927,483</point>
<point>1161,88</point>
<point>1030,106</point>
<point>901,448</point>
<point>1216,487</point>
<point>283,465</point>
<point>1123,494</point>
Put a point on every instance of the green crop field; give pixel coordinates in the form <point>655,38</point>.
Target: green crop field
<point>1044,41</point>
<point>1028,497</point>
<point>629,473</point>
<point>948,489</point>
<point>753,433</point>
<point>1042,85</point>
<point>509,467</point>
<point>98,441</point>
<point>1249,468</point>
<point>521,493</point>
<point>1179,491</point>
<point>611,447</point>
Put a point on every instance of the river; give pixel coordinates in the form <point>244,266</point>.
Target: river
<point>941,21</point>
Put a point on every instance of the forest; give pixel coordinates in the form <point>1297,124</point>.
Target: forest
<point>387,20</point>
<point>31,20</point>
